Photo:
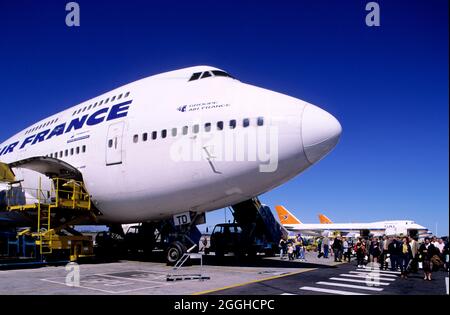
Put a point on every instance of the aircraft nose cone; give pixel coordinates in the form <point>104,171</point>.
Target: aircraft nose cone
<point>320,132</point>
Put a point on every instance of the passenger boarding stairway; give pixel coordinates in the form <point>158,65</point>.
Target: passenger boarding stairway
<point>258,222</point>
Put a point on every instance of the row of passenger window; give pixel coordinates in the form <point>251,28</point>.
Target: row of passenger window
<point>80,110</point>
<point>112,99</point>
<point>207,127</point>
<point>48,123</point>
<point>68,152</point>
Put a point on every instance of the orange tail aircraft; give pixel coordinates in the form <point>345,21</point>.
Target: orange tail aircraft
<point>324,219</point>
<point>285,216</point>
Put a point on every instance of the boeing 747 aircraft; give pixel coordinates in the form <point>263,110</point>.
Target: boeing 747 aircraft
<point>160,146</point>
<point>291,223</point>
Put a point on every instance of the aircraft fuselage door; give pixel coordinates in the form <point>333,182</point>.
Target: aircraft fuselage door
<point>114,141</point>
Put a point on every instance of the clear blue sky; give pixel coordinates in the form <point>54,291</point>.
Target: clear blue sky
<point>388,86</point>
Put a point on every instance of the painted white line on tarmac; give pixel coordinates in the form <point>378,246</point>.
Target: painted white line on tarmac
<point>101,290</point>
<point>351,286</point>
<point>366,276</point>
<point>382,271</point>
<point>360,281</point>
<point>331,291</point>
<point>373,273</point>
<point>133,279</point>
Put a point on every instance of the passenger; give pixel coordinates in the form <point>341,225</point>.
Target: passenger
<point>436,258</point>
<point>434,241</point>
<point>203,244</point>
<point>427,251</point>
<point>414,244</point>
<point>350,249</point>
<point>337,249</point>
<point>298,244</point>
<point>366,246</point>
<point>405,257</point>
<point>290,250</point>
<point>283,248</point>
<point>446,256</point>
<point>330,247</point>
<point>325,243</point>
<point>345,249</point>
<point>440,246</point>
<point>301,249</point>
<point>394,250</point>
<point>384,253</point>
<point>304,249</point>
<point>374,250</point>
<point>360,252</point>
<point>319,247</point>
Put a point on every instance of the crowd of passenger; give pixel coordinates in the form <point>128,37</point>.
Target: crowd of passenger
<point>293,248</point>
<point>395,253</point>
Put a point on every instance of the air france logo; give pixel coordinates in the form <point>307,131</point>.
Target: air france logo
<point>182,108</point>
<point>101,115</point>
<point>202,106</point>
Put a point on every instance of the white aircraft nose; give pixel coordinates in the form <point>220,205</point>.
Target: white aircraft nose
<point>320,132</point>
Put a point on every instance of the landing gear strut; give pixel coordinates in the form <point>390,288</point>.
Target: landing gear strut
<point>147,237</point>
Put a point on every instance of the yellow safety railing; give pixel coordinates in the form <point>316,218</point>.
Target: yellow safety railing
<point>65,193</point>
<point>14,193</point>
<point>71,194</point>
<point>45,237</point>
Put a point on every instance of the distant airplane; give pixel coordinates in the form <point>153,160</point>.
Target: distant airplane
<point>291,223</point>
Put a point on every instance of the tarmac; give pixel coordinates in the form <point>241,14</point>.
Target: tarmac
<point>347,279</point>
<point>265,276</point>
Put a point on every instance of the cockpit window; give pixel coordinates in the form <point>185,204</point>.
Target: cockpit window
<point>219,73</point>
<point>195,76</point>
<point>207,74</point>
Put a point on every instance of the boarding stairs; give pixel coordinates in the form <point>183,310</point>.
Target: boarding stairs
<point>44,231</point>
<point>258,222</point>
<point>175,274</point>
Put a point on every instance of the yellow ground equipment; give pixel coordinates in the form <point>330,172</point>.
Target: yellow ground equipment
<point>6,174</point>
<point>67,198</point>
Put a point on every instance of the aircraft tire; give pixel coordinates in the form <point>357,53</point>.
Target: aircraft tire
<point>174,252</point>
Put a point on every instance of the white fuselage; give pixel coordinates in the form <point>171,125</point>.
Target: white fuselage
<point>133,177</point>
<point>373,227</point>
